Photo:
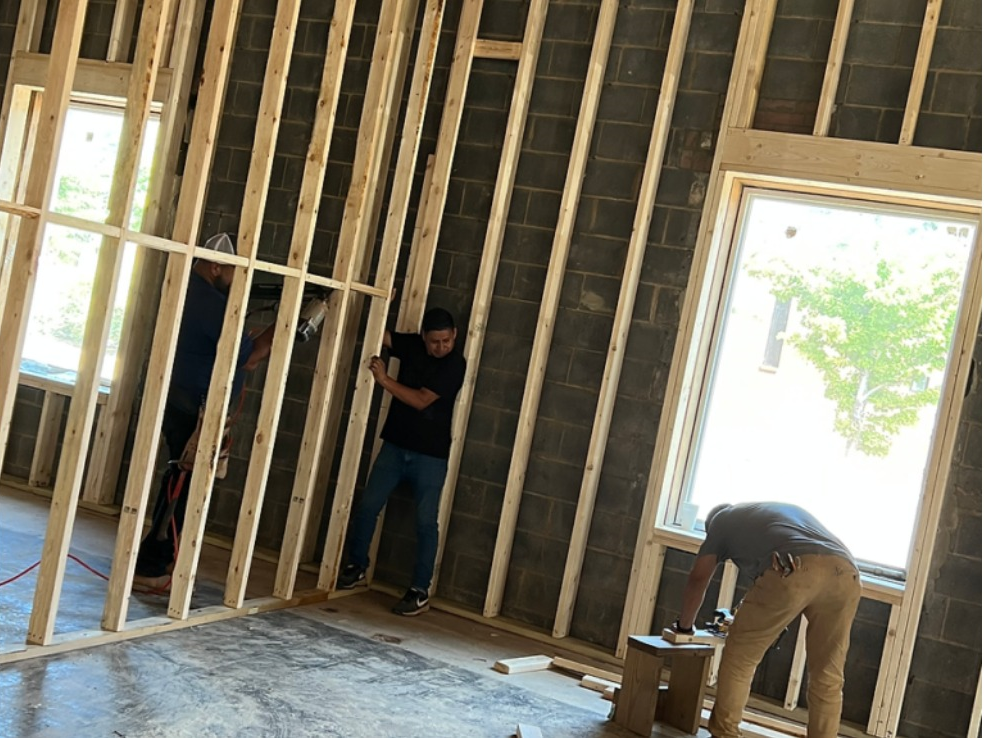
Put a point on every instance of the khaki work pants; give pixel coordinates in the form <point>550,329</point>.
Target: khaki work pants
<point>826,589</point>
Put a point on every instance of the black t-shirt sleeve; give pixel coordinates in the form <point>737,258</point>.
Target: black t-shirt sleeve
<point>400,343</point>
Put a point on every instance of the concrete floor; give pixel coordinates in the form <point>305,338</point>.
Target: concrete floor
<point>346,667</point>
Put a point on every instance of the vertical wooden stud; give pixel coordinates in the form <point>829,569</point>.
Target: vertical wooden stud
<point>352,242</point>
<point>482,302</point>
<point>227,352</point>
<point>548,306</point>
<point>921,68</point>
<point>312,184</point>
<point>623,319</point>
<point>187,220</point>
<point>82,409</point>
<point>832,72</point>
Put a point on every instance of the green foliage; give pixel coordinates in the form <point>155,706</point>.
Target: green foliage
<point>874,341</point>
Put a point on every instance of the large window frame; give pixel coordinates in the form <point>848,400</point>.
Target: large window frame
<point>718,271</point>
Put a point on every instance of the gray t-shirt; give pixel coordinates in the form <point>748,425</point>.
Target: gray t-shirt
<point>748,533</point>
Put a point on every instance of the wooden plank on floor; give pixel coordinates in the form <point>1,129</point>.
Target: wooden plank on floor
<point>576,667</point>
<point>523,664</point>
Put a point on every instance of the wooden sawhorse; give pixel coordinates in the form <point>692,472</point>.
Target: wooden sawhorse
<point>640,700</point>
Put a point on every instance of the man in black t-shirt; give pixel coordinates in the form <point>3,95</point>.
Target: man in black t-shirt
<point>799,568</point>
<point>416,445</point>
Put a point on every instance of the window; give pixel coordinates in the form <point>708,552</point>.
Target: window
<point>67,264</point>
<point>828,359</point>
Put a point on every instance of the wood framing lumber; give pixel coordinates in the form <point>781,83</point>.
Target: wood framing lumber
<point>227,352</point>
<point>250,224</point>
<point>138,315</point>
<point>523,664</point>
<point>974,727</point>
<point>43,460</point>
<point>832,72</point>
<point>82,408</point>
<point>93,77</point>
<point>74,641</point>
<point>576,667</point>
<point>350,329</point>
<point>597,684</point>
<point>897,657</point>
<point>797,668</point>
<point>549,305</point>
<point>434,197</point>
<point>413,300</point>
<point>21,265</point>
<point>623,319</point>
<point>640,599</point>
<point>725,600</point>
<point>937,173</point>
<point>506,50</point>
<point>528,731</point>
<point>353,241</point>
<point>124,15</point>
<point>489,267</point>
<point>305,220</point>
<point>698,636</point>
<point>749,64</point>
<point>399,204</point>
<point>917,85</point>
<point>187,220</point>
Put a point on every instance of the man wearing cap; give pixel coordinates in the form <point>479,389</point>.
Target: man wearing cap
<point>415,450</point>
<point>198,339</point>
<point>799,568</point>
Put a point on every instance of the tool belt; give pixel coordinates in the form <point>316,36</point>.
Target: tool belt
<point>186,462</point>
<point>785,564</point>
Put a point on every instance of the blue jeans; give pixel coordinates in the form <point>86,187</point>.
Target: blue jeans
<point>425,475</point>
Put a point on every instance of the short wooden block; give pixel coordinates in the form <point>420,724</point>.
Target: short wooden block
<point>523,664</point>
<point>528,731</point>
<point>598,685</point>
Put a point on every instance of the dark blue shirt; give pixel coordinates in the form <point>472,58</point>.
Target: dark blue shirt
<point>749,532</point>
<point>426,431</point>
<point>198,339</point>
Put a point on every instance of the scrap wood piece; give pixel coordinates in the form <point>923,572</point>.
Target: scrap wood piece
<point>598,684</point>
<point>609,693</point>
<point>528,731</point>
<point>523,664</point>
<point>582,669</point>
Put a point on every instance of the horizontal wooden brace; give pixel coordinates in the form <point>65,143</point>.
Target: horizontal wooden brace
<point>92,77</point>
<point>937,173</point>
<point>14,208</point>
<point>508,50</point>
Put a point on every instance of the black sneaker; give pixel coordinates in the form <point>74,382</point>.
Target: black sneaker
<point>414,602</point>
<point>351,575</point>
